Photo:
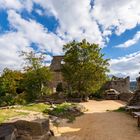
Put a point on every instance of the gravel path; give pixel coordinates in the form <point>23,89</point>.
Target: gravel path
<point>99,124</point>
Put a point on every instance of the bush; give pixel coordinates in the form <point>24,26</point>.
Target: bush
<point>20,99</point>
<point>65,110</point>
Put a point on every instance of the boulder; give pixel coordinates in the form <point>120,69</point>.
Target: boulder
<point>25,130</point>
<point>7,132</point>
<point>34,128</point>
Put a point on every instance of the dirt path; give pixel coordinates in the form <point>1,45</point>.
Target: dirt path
<point>99,124</point>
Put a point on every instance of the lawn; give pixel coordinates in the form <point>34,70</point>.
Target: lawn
<point>5,114</point>
<point>40,107</point>
<point>64,110</point>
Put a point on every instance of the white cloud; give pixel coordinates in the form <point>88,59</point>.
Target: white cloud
<point>130,42</point>
<point>17,5</point>
<point>36,33</point>
<point>120,15</point>
<point>127,65</point>
<point>11,4</point>
<point>10,46</point>
<point>76,21</point>
<point>74,18</point>
<point>27,32</point>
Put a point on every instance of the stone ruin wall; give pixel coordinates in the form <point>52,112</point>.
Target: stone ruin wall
<point>56,66</point>
<point>122,85</point>
<point>57,78</point>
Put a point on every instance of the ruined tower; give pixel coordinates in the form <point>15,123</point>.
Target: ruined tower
<point>56,66</point>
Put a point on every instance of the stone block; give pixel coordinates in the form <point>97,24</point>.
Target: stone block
<point>34,128</point>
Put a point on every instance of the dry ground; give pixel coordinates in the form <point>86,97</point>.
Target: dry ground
<point>99,124</point>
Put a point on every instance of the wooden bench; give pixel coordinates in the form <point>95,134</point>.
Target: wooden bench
<point>137,114</point>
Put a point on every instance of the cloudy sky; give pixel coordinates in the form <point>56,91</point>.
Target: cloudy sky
<point>45,25</point>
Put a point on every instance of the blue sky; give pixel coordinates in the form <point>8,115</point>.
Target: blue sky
<point>46,25</point>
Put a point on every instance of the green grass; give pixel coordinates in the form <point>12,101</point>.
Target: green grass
<point>121,109</point>
<point>63,111</point>
<point>60,110</point>
<point>6,114</point>
<point>40,107</point>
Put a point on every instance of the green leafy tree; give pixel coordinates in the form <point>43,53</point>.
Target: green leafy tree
<point>84,68</point>
<point>37,77</point>
<point>9,83</point>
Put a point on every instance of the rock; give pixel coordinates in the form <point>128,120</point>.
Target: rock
<point>38,129</point>
<point>7,132</point>
<point>34,128</point>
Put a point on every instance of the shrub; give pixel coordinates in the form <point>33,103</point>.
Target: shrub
<point>65,110</point>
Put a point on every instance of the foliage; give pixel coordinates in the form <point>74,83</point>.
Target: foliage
<point>9,83</point>
<point>40,107</point>
<point>18,87</point>
<point>65,110</point>
<point>84,68</point>
<point>37,76</point>
<point>121,109</point>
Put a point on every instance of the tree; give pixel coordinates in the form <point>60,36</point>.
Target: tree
<point>84,67</point>
<point>9,83</point>
<point>36,77</point>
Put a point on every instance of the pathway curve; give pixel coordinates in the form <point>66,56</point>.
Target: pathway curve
<point>99,124</point>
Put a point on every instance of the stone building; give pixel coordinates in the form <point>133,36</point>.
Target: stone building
<point>56,66</point>
<point>122,85</point>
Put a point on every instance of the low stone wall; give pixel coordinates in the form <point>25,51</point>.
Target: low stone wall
<point>25,130</point>
<point>125,96</point>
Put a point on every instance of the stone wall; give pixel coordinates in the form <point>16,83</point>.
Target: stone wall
<point>56,66</point>
<point>122,85</point>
